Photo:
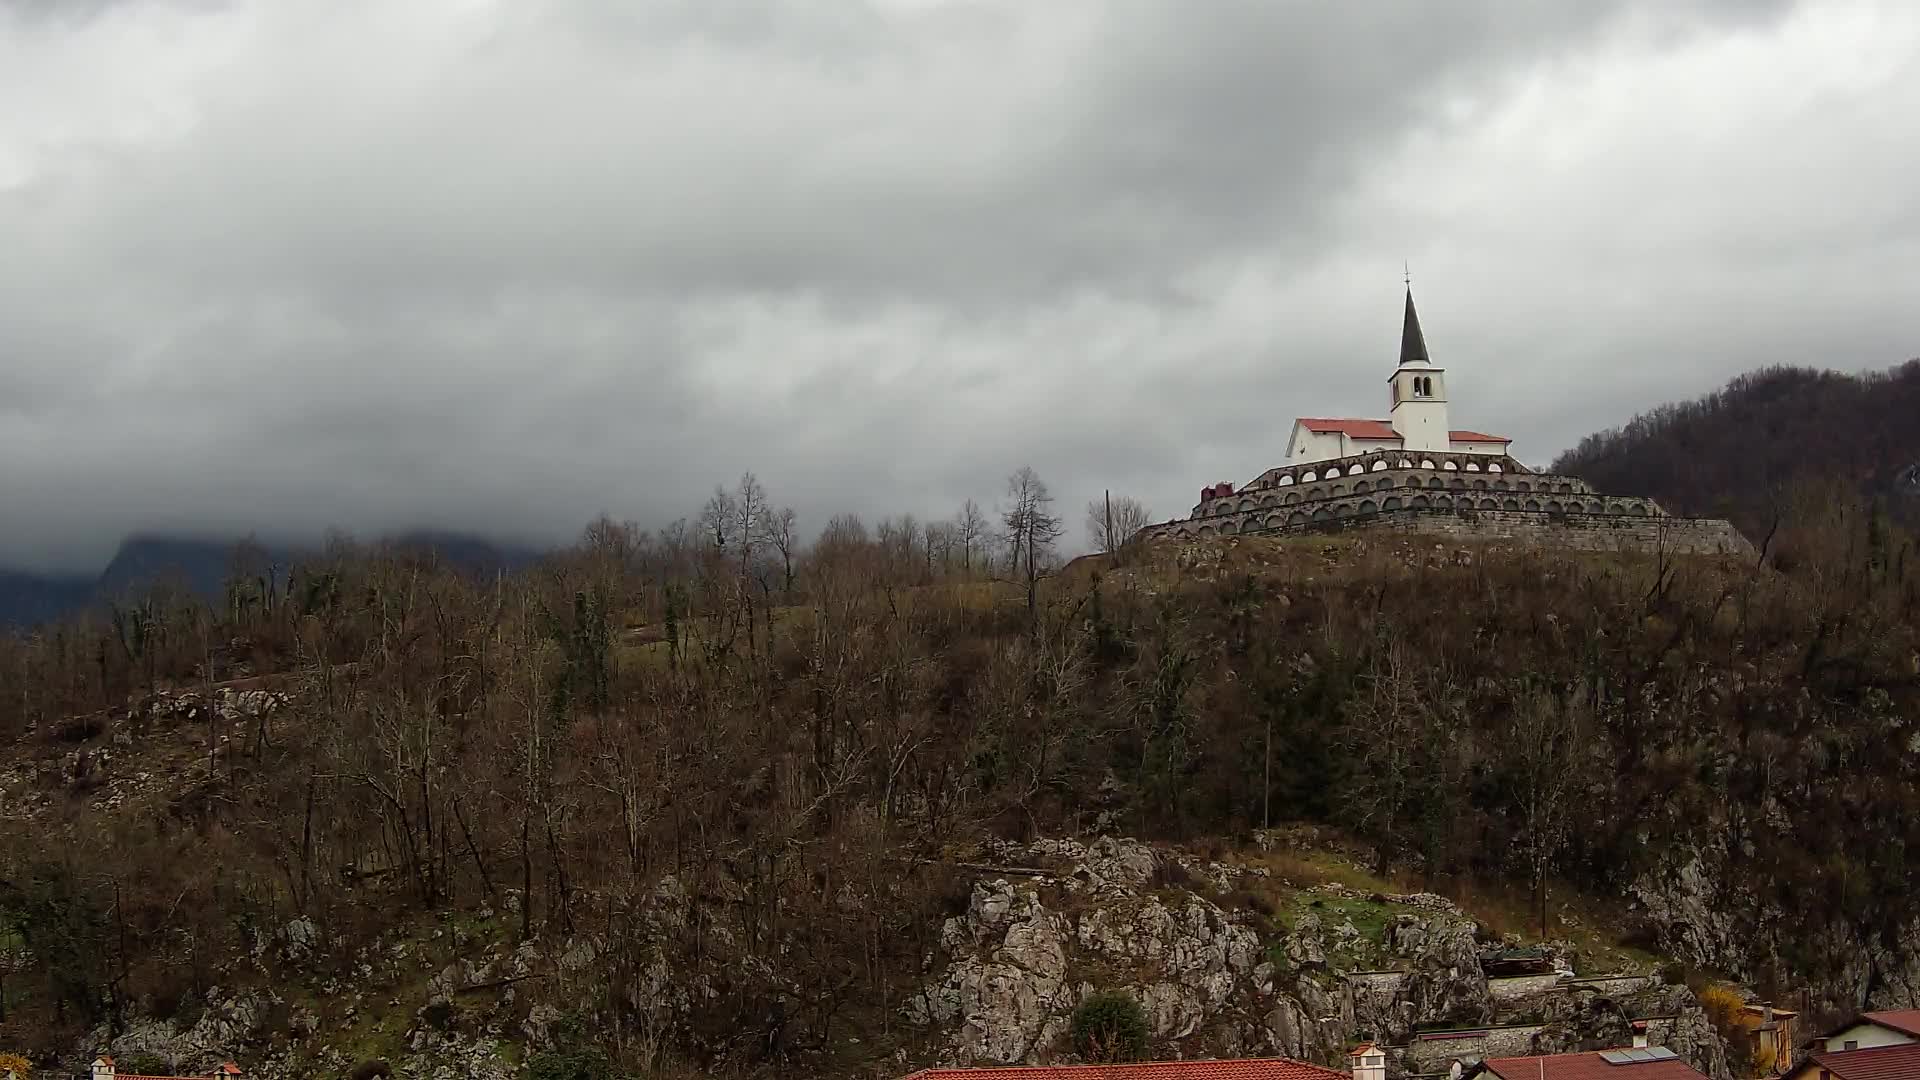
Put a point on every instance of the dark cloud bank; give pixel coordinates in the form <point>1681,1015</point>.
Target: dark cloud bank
<point>500,267</point>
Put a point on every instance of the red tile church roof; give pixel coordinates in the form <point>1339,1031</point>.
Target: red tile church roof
<point>1383,429</point>
<point>1355,429</point>
<point>1244,1069</point>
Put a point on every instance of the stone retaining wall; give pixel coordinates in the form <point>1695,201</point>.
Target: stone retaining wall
<point>1616,985</point>
<point>1519,987</point>
<point>1547,528</point>
<point>1433,1052</point>
<point>1583,532</point>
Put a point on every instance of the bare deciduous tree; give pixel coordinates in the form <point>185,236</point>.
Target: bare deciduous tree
<point>1112,522</point>
<point>1030,529</point>
<point>970,530</point>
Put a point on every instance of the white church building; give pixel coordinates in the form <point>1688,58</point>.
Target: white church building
<point>1416,472</point>
<point>1418,420</point>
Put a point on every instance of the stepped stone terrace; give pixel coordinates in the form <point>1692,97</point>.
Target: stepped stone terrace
<point>1460,494</point>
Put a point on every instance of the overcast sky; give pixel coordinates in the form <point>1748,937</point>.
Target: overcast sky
<point>285,264</point>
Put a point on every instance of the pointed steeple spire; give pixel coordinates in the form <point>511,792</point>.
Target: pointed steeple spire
<point>1413,344</point>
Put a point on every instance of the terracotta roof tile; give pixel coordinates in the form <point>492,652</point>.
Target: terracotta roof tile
<point>1352,428</point>
<point>1476,436</point>
<point>1907,1020</point>
<point>1900,1062</point>
<point>1588,1066</point>
<point>1242,1069</point>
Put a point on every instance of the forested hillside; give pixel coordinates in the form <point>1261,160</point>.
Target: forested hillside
<point>1744,452</point>
<point>727,783</point>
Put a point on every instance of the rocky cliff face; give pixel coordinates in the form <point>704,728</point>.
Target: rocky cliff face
<point>1218,980</point>
<point>1224,959</point>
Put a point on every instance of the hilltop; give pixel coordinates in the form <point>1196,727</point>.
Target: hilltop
<point>1769,437</point>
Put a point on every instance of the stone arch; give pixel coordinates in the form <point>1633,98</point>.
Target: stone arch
<point>1458,484</point>
<point>1406,463</point>
<point>1554,507</point>
<point>1522,485</point>
<point>1511,504</point>
<point>1380,465</point>
<point>1309,476</point>
<point>1473,466</point>
<point>1494,466</point>
<point>1596,508</point>
<point>1450,465</point>
<point>1275,521</point>
<point>1291,498</point>
<point>1270,499</point>
<point>1566,489</point>
<point>1489,504</point>
<point>1426,463</point>
<point>1479,485</point>
<point>1320,515</point>
<point>1383,483</point>
<point>1316,493</point>
<point>1206,530</point>
<point>1533,504</point>
<point>1296,518</point>
<point>1435,482</point>
<point>1356,468</point>
<point>1499,485</point>
<point>1391,502</point>
<point>1246,503</point>
<point>1367,506</point>
<point>1361,487</point>
<point>1228,528</point>
<point>1336,491</point>
<point>1420,502</point>
<point>1286,480</point>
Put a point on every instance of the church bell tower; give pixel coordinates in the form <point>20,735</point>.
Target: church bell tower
<point>1419,391</point>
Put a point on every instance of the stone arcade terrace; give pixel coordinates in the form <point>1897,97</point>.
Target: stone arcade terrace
<point>1468,495</point>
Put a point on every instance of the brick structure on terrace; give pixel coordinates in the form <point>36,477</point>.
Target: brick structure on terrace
<point>1416,473</point>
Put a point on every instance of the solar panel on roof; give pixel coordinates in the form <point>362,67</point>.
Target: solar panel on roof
<point>1615,1057</point>
<point>1661,1053</point>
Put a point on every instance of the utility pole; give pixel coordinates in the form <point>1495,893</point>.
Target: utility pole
<point>1107,540</point>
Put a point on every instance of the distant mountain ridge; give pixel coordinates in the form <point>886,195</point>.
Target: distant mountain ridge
<point>201,566</point>
<point>1738,451</point>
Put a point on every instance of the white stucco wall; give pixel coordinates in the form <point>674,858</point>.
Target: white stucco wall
<point>1308,445</point>
<point>1868,1036</point>
<point>1423,425</point>
<point>1480,448</point>
<point>1421,421</point>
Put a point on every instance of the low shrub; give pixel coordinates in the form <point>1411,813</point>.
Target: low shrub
<point>1110,1026</point>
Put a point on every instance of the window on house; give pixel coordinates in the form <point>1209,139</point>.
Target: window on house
<point>1852,1044</point>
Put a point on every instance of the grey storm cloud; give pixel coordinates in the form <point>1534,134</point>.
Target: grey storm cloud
<point>501,267</point>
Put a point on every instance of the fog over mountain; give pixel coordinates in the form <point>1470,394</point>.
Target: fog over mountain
<point>496,267</point>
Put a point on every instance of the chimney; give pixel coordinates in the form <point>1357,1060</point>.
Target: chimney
<point>1369,1062</point>
<point>1639,1040</point>
<point>103,1068</point>
<point>226,1072</point>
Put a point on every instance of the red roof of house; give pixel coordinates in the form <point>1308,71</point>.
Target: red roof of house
<point>1353,429</point>
<point>1900,1062</point>
<point>1241,1069</point>
<point>1476,436</point>
<point>1907,1020</point>
<point>1588,1066</point>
